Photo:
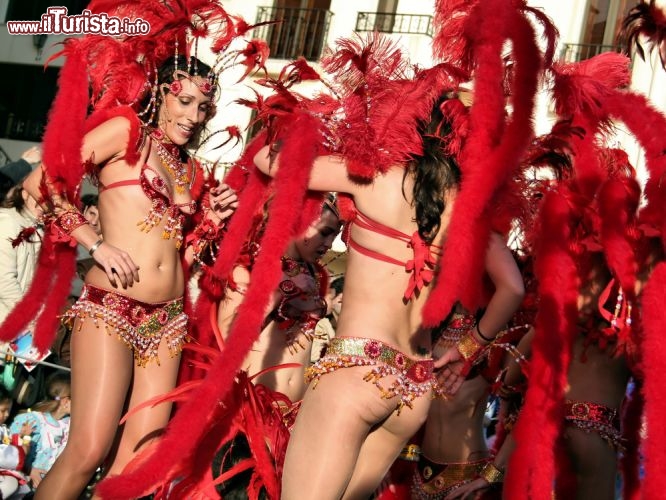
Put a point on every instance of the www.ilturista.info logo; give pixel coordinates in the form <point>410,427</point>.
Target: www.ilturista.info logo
<point>57,22</point>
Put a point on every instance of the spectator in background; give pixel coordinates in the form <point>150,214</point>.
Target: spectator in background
<point>326,326</point>
<point>17,262</point>
<point>14,172</point>
<point>90,211</point>
<point>84,262</point>
<point>50,426</point>
<point>13,449</point>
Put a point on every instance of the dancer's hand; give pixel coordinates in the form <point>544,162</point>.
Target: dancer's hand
<point>117,264</point>
<point>469,491</point>
<point>449,370</point>
<point>223,202</point>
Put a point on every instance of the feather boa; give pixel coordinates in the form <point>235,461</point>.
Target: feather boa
<point>492,151</point>
<point>654,353</point>
<point>531,469</point>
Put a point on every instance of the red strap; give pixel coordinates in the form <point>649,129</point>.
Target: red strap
<point>375,255</point>
<point>421,266</point>
<point>126,182</point>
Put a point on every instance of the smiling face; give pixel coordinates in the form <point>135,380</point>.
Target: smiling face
<point>318,238</point>
<point>180,116</point>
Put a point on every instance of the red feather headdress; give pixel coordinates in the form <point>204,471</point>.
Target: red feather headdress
<point>383,100</point>
<point>648,21</point>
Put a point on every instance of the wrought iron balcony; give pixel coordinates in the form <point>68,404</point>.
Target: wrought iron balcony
<point>298,32</point>
<point>576,52</point>
<point>388,22</point>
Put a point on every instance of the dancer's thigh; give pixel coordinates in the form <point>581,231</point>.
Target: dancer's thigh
<point>150,381</point>
<point>333,422</point>
<point>101,373</point>
<point>383,445</point>
<point>594,463</point>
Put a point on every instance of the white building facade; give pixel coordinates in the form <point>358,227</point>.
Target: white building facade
<point>586,27</point>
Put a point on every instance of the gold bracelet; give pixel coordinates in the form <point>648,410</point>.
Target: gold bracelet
<point>491,474</point>
<point>469,347</point>
<point>411,453</point>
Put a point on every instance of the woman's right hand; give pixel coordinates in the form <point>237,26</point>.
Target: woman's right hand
<point>116,262</point>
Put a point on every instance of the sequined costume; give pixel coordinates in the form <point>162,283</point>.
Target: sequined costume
<point>155,188</point>
<point>141,325</point>
<point>593,417</point>
<point>434,481</point>
<point>414,377</point>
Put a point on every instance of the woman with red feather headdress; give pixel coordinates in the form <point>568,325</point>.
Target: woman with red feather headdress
<point>393,201</point>
<point>126,109</point>
<point>597,262</point>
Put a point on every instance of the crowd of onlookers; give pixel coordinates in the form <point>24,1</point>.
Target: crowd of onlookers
<point>34,395</point>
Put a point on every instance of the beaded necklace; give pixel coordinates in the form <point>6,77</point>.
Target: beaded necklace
<point>169,155</point>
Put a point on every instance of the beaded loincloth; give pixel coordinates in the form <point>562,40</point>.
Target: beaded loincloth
<point>141,325</point>
<point>414,377</point>
<point>593,417</point>
<point>434,481</point>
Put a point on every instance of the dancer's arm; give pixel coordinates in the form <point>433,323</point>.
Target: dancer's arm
<point>329,173</point>
<point>105,142</point>
<point>234,296</point>
<point>509,291</point>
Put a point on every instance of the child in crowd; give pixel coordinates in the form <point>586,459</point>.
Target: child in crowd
<point>50,427</point>
<point>13,450</point>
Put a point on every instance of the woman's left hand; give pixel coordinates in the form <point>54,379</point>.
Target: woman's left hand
<point>469,491</point>
<point>223,202</point>
<point>448,369</point>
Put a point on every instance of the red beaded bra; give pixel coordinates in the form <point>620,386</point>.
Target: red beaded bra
<point>156,190</point>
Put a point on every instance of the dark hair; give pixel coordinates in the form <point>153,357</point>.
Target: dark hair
<point>331,204</point>
<point>5,396</point>
<point>89,200</point>
<point>434,172</point>
<point>338,284</point>
<point>6,184</point>
<point>196,67</point>
<point>14,198</point>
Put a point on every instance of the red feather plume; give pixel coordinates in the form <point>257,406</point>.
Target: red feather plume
<point>645,21</point>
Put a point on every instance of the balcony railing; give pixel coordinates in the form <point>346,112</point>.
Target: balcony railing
<point>389,22</point>
<point>298,32</point>
<point>576,52</point>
